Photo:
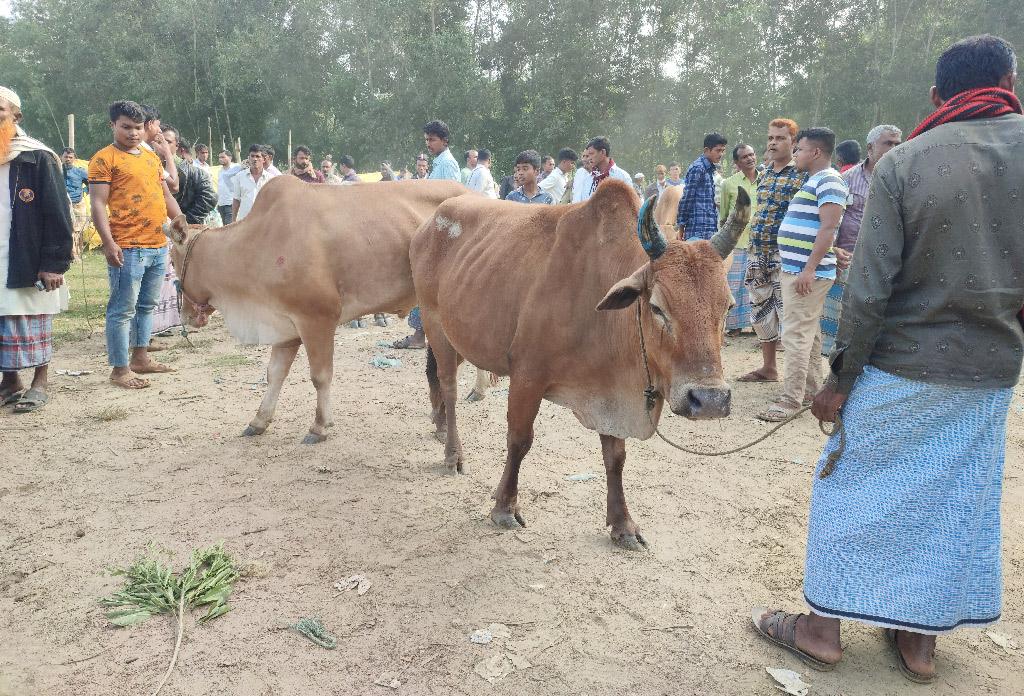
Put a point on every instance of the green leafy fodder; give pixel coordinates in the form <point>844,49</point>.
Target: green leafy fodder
<point>151,587</point>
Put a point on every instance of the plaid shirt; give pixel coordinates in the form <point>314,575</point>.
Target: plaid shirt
<point>698,211</point>
<point>774,192</point>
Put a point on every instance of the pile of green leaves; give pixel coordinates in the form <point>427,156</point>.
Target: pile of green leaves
<point>151,587</point>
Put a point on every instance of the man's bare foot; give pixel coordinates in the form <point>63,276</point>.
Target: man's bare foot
<point>761,374</point>
<point>916,651</point>
<point>150,367</point>
<point>127,379</point>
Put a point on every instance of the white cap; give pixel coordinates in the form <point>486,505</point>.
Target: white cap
<point>10,96</point>
<point>639,175</point>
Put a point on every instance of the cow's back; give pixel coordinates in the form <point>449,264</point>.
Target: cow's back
<point>317,248</point>
<point>668,209</point>
<point>512,281</point>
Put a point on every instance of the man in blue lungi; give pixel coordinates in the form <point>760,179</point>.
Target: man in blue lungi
<point>904,525</point>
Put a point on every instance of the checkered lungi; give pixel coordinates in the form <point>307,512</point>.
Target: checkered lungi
<point>739,315</point>
<point>830,315</point>
<point>25,341</point>
<point>762,282</point>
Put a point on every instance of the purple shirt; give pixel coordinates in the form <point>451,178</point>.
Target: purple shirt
<point>858,180</point>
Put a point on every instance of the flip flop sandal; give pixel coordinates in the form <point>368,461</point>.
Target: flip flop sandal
<point>12,398</point>
<point>783,625</point>
<point>404,344</point>
<point>33,400</point>
<point>774,414</point>
<point>756,378</point>
<point>916,677</point>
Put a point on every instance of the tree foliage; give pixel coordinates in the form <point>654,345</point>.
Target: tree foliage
<point>360,77</point>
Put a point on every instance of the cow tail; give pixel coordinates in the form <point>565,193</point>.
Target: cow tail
<point>432,380</point>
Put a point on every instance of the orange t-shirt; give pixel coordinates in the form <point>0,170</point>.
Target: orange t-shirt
<point>136,203</point>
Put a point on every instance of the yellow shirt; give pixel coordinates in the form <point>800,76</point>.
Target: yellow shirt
<point>136,203</point>
<point>729,188</point>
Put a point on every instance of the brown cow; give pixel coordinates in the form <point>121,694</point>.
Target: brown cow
<point>305,259</point>
<point>513,289</point>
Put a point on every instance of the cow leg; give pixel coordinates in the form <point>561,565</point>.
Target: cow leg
<point>523,404</point>
<point>281,357</point>
<point>437,410</point>
<point>446,368</point>
<point>319,342</point>
<point>625,531</point>
<point>484,381</point>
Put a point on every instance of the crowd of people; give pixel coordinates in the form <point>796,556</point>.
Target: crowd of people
<point>914,243</point>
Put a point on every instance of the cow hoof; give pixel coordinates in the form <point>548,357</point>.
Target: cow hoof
<point>475,396</point>
<point>313,439</point>
<point>631,542</point>
<point>251,430</point>
<point>508,520</point>
<point>454,464</point>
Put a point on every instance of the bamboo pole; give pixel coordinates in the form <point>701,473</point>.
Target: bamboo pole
<point>71,131</point>
<point>289,144</point>
<point>209,133</point>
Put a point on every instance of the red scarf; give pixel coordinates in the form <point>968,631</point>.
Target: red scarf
<point>599,177</point>
<point>986,102</point>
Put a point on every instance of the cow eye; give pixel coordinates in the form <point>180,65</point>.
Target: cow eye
<point>657,311</point>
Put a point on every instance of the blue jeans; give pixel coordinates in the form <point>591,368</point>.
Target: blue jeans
<point>134,292</point>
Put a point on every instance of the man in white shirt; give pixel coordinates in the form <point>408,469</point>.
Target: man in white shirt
<point>248,184</point>
<point>202,159</point>
<point>481,179</point>
<point>226,185</point>
<point>555,182</point>
<point>582,181</point>
<point>599,151</point>
<point>268,160</point>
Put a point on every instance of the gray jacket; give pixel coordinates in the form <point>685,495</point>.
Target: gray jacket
<point>937,278</point>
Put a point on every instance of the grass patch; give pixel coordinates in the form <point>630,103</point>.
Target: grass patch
<point>112,413</point>
<point>232,360</point>
<point>89,287</point>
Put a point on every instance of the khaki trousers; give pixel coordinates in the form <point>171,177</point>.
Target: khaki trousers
<point>801,339</point>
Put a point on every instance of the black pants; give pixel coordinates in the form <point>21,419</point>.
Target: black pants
<point>225,213</point>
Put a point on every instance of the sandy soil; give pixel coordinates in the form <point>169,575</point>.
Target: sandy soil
<point>80,494</point>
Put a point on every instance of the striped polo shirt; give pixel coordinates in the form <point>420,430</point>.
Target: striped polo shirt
<point>800,227</point>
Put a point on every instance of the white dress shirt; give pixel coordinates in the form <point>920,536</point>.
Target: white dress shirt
<point>247,188</point>
<point>482,181</point>
<point>554,185</point>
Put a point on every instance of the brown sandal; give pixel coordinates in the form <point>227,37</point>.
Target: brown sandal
<point>779,628</point>
<point>756,376</point>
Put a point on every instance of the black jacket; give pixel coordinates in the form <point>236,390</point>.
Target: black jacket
<point>195,195</point>
<point>40,219</point>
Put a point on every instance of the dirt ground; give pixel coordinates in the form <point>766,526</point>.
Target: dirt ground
<point>101,473</point>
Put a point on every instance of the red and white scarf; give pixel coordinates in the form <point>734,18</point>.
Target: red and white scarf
<point>986,102</point>
<point>599,177</point>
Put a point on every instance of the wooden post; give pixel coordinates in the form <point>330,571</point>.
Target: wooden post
<point>238,148</point>
<point>71,131</point>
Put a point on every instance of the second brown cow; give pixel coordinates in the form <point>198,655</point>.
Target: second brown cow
<point>547,295</point>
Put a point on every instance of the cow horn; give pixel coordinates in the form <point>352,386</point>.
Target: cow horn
<point>653,241</point>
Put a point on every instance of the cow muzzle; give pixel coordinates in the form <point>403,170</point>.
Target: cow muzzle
<point>701,403</point>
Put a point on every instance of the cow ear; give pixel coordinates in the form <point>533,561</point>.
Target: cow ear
<point>177,229</point>
<point>626,291</point>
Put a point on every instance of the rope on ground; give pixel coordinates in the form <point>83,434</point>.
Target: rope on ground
<point>85,295</point>
<point>314,631</point>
